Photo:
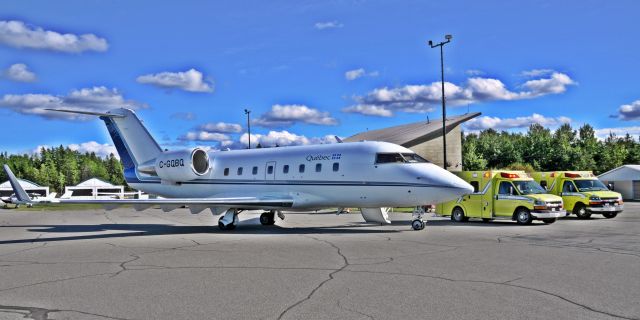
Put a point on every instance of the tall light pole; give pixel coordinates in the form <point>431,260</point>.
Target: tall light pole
<point>248,113</point>
<point>444,108</point>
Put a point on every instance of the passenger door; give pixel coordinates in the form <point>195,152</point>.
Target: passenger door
<point>473,202</point>
<point>270,170</point>
<point>503,200</point>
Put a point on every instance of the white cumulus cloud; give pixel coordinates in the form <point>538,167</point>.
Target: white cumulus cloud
<point>191,80</point>
<point>328,25</point>
<point>423,98</point>
<point>277,138</point>
<point>359,73</point>
<point>486,122</point>
<point>221,127</point>
<point>288,115</point>
<point>204,136</point>
<point>603,133</point>
<point>20,35</point>
<point>369,110</point>
<point>97,99</point>
<point>20,72</point>
<point>629,111</point>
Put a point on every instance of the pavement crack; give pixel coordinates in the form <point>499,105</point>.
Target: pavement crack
<point>345,264</point>
<point>341,306</point>
<point>507,283</point>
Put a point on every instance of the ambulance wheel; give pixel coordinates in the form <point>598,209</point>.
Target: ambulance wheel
<point>457,215</point>
<point>549,220</point>
<point>523,216</point>
<point>417,224</point>
<point>610,215</point>
<point>581,211</point>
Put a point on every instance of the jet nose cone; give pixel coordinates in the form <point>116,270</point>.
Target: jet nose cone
<point>445,179</point>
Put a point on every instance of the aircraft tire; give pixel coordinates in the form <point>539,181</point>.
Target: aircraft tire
<point>417,224</point>
<point>267,219</point>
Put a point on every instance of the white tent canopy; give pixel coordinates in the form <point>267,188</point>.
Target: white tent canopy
<point>28,186</point>
<point>625,179</point>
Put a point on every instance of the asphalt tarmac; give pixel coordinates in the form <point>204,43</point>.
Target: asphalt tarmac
<point>124,264</point>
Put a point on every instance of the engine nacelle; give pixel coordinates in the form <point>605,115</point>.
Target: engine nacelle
<point>182,165</point>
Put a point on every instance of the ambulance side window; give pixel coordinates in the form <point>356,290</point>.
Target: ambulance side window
<point>505,188</point>
<point>543,184</point>
<point>568,187</point>
<point>475,185</point>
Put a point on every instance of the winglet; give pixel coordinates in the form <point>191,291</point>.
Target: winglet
<point>17,188</point>
<point>338,139</point>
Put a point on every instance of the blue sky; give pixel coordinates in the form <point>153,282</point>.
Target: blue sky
<point>309,70</point>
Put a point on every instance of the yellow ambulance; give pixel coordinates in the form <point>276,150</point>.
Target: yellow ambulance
<point>500,194</point>
<point>582,193</point>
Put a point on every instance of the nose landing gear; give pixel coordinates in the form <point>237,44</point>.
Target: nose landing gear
<point>418,223</point>
<point>229,221</point>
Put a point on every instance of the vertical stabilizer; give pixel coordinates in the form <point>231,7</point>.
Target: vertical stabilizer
<point>21,195</point>
<point>134,143</point>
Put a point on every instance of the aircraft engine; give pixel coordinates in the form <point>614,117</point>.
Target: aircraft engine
<point>182,165</point>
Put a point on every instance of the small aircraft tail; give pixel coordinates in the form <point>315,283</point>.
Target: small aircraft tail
<point>134,143</point>
<point>21,195</point>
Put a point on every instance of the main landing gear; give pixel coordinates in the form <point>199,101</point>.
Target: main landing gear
<point>268,218</point>
<point>418,223</point>
<point>229,221</point>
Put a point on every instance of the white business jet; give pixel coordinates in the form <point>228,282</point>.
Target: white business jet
<point>372,176</point>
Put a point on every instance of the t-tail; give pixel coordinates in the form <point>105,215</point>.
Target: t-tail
<point>140,154</point>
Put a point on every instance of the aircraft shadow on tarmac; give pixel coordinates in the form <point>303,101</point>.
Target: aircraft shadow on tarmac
<point>138,230</point>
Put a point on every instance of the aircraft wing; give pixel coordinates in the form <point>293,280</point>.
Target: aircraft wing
<point>234,202</point>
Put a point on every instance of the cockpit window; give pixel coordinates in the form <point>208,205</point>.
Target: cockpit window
<point>399,158</point>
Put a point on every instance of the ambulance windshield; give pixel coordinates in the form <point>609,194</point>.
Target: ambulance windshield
<point>590,185</point>
<point>528,187</point>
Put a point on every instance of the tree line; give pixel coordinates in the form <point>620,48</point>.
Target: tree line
<point>540,149</point>
<point>58,167</point>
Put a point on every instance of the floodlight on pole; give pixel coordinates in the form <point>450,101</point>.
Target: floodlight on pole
<point>248,113</point>
<point>448,37</point>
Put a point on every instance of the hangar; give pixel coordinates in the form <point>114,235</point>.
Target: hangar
<point>28,186</point>
<point>425,138</point>
<point>625,180</point>
<point>93,188</point>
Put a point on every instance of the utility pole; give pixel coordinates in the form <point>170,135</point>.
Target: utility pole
<point>444,108</point>
<point>248,113</point>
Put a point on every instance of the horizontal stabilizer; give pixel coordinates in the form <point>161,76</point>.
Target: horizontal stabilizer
<point>90,113</point>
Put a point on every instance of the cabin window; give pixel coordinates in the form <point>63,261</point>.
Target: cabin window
<point>255,171</point>
<point>506,188</point>
<point>543,184</point>
<point>226,171</point>
<point>285,168</point>
<point>336,166</point>
<point>239,171</point>
<point>475,185</point>
<point>568,187</point>
<point>270,170</point>
<point>301,168</point>
<point>318,167</point>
